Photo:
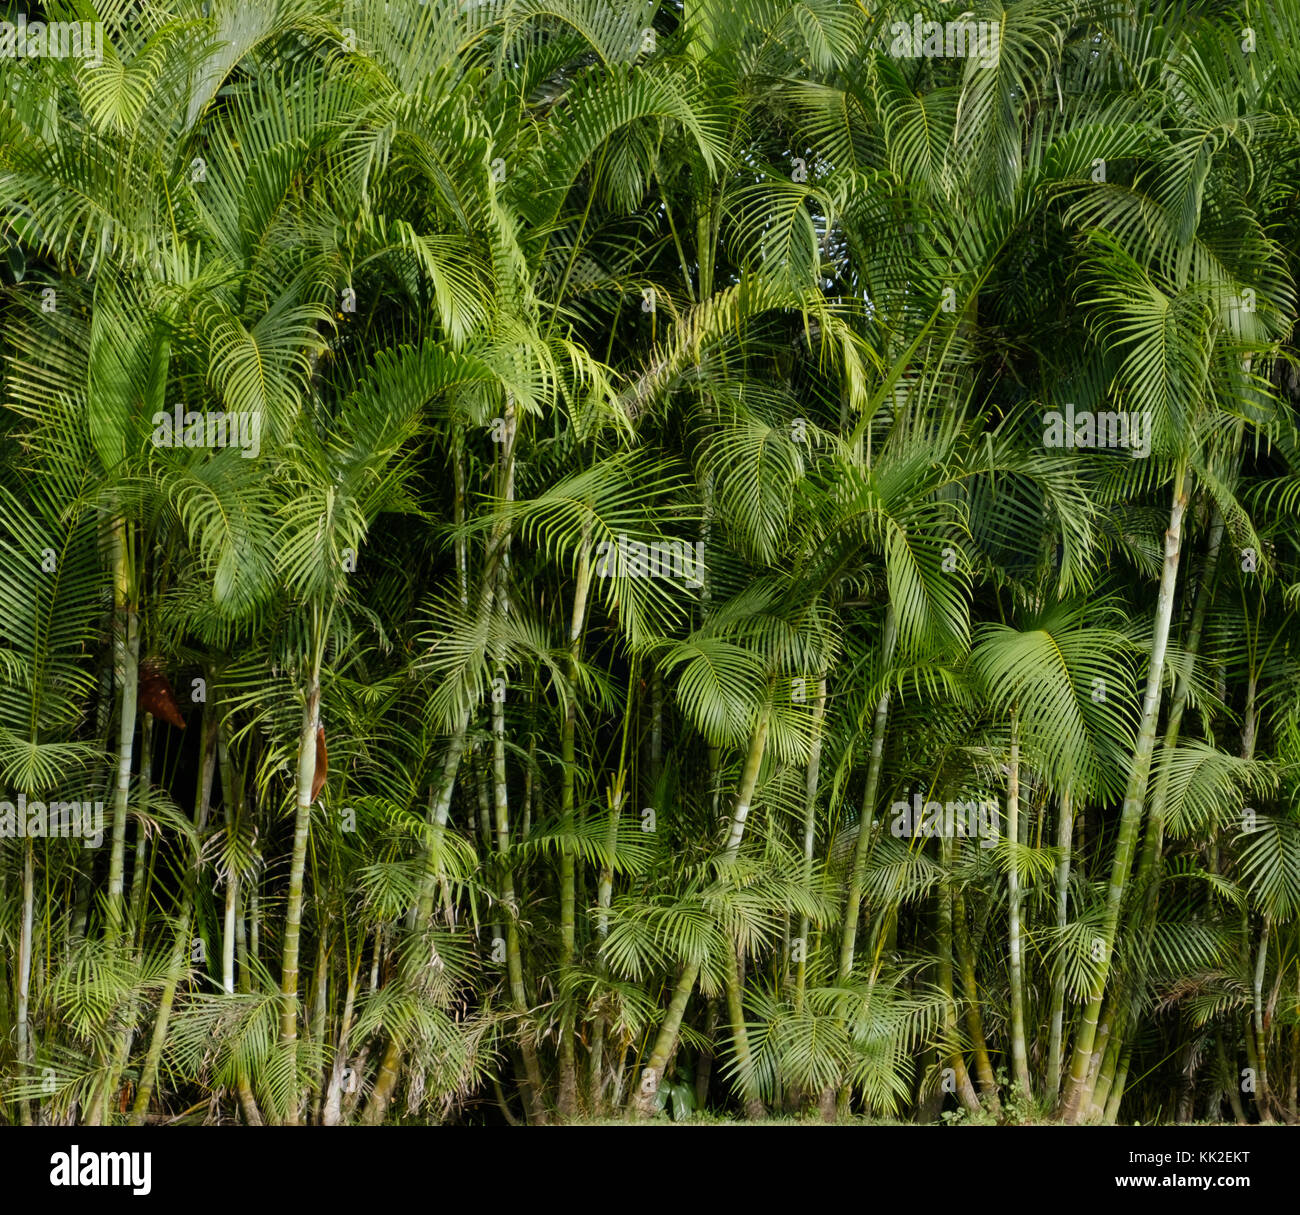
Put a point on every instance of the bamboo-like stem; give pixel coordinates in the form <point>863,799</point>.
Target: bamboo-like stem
<point>1056,1021</point>
<point>126,650</point>
<point>943,942</point>
<point>1263,1100</point>
<point>149,1069</point>
<point>1078,1093</point>
<point>232,810</point>
<point>316,1030</point>
<point>974,1021</point>
<point>604,898</point>
<point>1146,881</point>
<point>666,1040</point>
<point>332,1113</point>
<point>857,880</point>
<point>566,1096</point>
<point>25,973</point>
<point>809,835</point>
<point>297,868</point>
<point>1019,1054</point>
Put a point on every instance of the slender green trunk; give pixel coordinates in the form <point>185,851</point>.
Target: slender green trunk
<point>1078,1093</point>
<point>1121,1011</point>
<point>25,973</point>
<point>644,1100</point>
<point>333,1111</point>
<point>1064,834</point>
<point>533,1089</point>
<point>1019,1054</point>
<point>974,1022</point>
<point>232,807</point>
<point>567,1092</point>
<point>149,1070</point>
<point>1116,1095</point>
<point>140,871</point>
<point>316,1032</point>
<point>1263,1102</point>
<point>297,870</point>
<point>666,1041</point>
<point>857,881</point>
<point>135,930</point>
<point>809,837</point>
<point>943,943</point>
<point>734,983</point>
<point>604,898</point>
<point>127,651</point>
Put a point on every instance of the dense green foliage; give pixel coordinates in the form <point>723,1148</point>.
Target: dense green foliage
<point>662,456</point>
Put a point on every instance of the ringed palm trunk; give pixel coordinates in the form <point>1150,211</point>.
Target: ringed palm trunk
<point>604,899</point>
<point>232,801</point>
<point>862,846</point>
<point>809,836</point>
<point>135,930</point>
<point>440,811</point>
<point>1064,838</point>
<point>857,881</point>
<point>1019,1055</point>
<point>652,1074</point>
<point>127,663</point>
<point>974,1021</point>
<point>533,1088</point>
<point>566,1096</point>
<point>149,1070</point>
<point>1078,1094</point>
<point>1256,1036</point>
<point>181,949</point>
<point>735,995</point>
<point>965,1090</point>
<point>297,870</point>
<point>333,1111</point>
<point>25,972</point>
<point>1142,917</point>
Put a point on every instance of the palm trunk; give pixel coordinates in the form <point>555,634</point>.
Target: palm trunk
<point>809,836</point>
<point>1141,918</point>
<point>149,1070</point>
<point>754,1108</point>
<point>181,950</point>
<point>127,655</point>
<point>604,898</point>
<point>1263,1102</point>
<point>1064,833</point>
<point>25,973</point>
<point>858,880</point>
<point>135,930</point>
<point>1116,1095</point>
<point>644,1100</point>
<point>1019,1055</point>
<point>141,869</point>
<point>232,801</point>
<point>332,1114</point>
<point>297,869</point>
<point>666,1041</point>
<point>316,1032</point>
<point>974,1022</point>
<point>965,1090</point>
<point>533,1088</point>
<point>1078,1093</point>
<point>566,1096</point>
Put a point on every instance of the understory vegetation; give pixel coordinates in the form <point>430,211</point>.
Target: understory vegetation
<point>573,559</point>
